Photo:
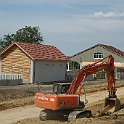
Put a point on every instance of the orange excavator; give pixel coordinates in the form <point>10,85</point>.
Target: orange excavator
<point>65,98</point>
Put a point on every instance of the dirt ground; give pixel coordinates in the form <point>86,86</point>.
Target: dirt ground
<point>8,93</point>
<point>21,95</point>
<point>11,97</point>
<point>15,96</point>
<point>116,118</point>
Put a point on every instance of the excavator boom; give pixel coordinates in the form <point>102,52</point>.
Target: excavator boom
<point>100,65</point>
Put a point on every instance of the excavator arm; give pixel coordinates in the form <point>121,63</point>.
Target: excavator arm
<point>112,103</point>
<point>108,66</point>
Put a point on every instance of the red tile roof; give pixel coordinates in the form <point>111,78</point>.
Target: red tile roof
<point>107,47</point>
<point>41,52</point>
<point>113,49</point>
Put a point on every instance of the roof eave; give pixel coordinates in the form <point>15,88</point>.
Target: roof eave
<point>85,50</point>
<point>17,46</point>
<point>7,48</point>
<point>50,60</point>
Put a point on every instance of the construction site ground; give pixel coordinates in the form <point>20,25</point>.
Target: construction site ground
<point>17,104</point>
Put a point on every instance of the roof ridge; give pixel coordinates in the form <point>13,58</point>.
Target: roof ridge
<point>33,43</point>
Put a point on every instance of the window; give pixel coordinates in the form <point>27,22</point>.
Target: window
<point>98,55</point>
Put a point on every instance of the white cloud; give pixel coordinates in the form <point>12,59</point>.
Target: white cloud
<point>108,14</point>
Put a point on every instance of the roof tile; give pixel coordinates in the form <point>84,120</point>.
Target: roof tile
<point>107,47</point>
<point>113,49</point>
<point>42,52</point>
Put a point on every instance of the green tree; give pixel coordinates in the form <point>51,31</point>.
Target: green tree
<point>26,34</point>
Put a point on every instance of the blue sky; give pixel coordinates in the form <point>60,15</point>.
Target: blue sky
<point>70,25</point>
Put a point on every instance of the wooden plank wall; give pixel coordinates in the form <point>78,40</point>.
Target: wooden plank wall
<point>15,60</point>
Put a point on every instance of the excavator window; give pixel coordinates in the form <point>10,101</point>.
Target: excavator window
<point>61,88</point>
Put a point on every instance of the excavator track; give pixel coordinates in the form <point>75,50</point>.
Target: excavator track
<point>43,115</point>
<point>79,114</point>
<point>66,115</point>
<point>53,115</point>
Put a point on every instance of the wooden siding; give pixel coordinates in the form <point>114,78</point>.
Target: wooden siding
<point>15,60</point>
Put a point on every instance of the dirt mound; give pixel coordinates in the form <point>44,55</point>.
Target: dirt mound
<point>14,96</point>
<point>16,103</point>
<point>21,95</point>
<point>8,93</point>
<point>94,86</point>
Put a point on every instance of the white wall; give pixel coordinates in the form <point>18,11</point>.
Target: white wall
<point>32,72</point>
<point>0,63</point>
<point>47,71</point>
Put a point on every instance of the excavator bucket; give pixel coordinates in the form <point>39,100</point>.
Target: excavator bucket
<point>111,105</point>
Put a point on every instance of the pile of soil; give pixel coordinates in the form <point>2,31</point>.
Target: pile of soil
<point>99,85</point>
<point>16,103</point>
<point>8,93</point>
<point>21,95</point>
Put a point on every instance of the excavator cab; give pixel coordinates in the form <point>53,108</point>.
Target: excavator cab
<point>61,88</point>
